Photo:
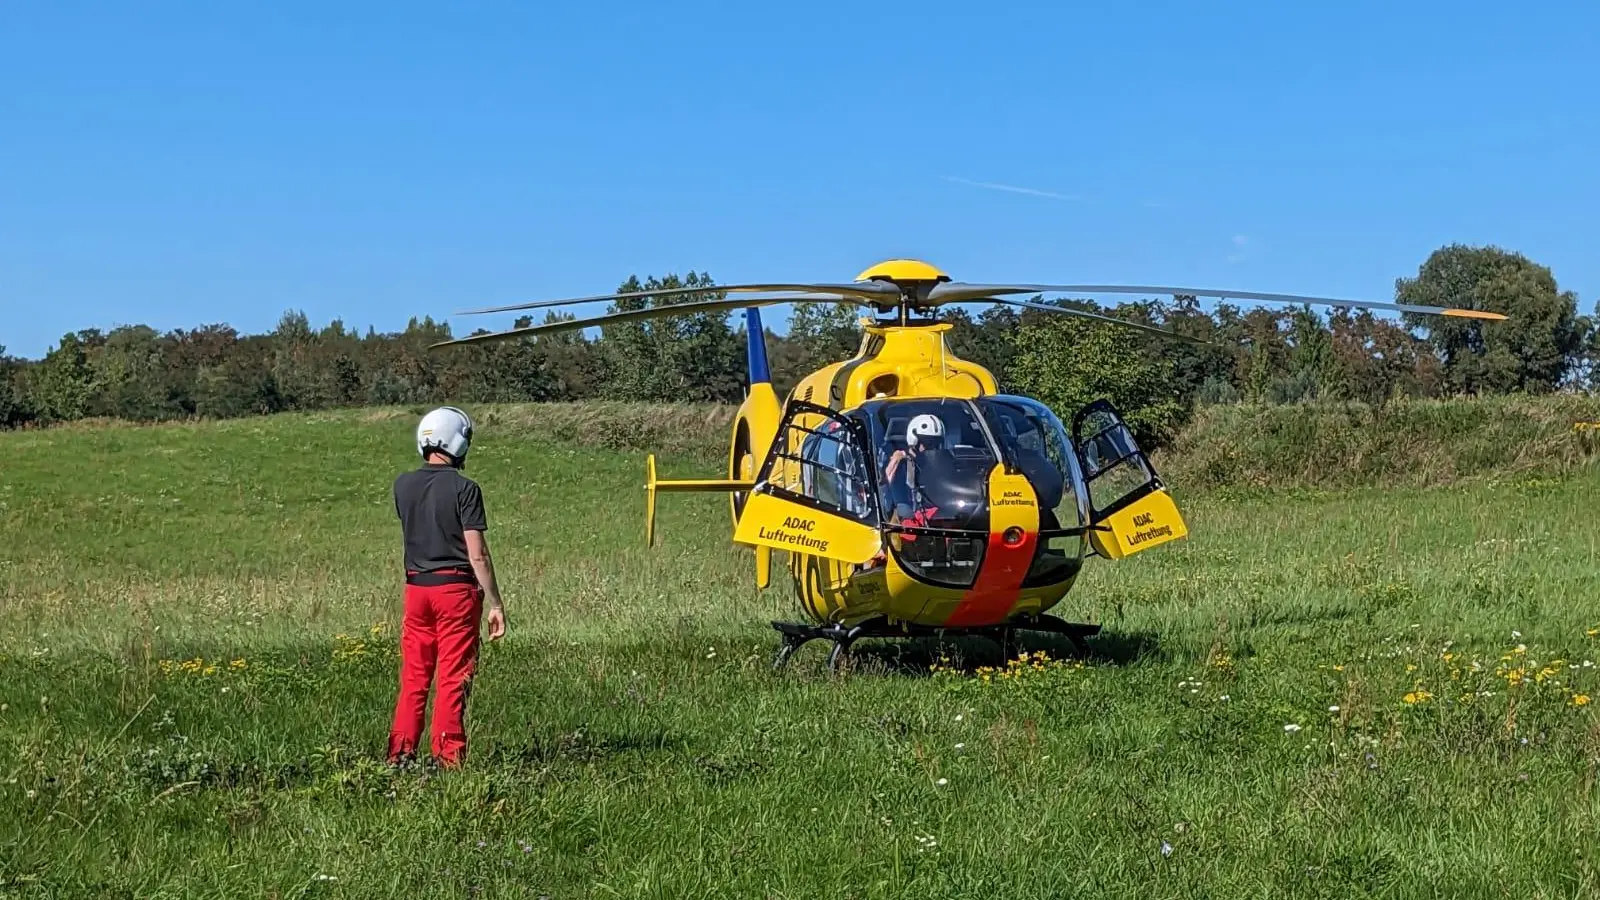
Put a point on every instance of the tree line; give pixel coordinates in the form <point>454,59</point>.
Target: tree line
<point>1260,355</point>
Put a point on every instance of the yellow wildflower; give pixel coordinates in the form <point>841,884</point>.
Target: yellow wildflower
<point>1418,696</point>
<point>1580,699</point>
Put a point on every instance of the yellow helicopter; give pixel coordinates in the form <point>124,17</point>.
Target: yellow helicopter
<point>911,495</point>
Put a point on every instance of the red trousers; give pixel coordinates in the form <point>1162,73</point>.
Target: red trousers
<point>438,637</point>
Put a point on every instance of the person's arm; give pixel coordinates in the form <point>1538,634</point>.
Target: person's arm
<point>474,523</point>
<point>894,464</point>
<point>483,567</point>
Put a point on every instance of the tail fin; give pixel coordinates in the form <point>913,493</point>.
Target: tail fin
<point>762,409</point>
<point>756,348</point>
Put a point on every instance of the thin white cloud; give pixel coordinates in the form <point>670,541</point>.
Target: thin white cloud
<point>994,186</point>
<point>1242,246</point>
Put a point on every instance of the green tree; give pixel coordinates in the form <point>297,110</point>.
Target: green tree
<point>1202,372</point>
<point>130,377</point>
<point>1068,363</point>
<point>986,341</point>
<point>1314,371</point>
<point>1378,360</point>
<point>1258,380</point>
<point>1585,371</point>
<point>241,384</point>
<point>575,364</point>
<point>694,357</point>
<point>1531,351</point>
<point>63,385</point>
<point>185,352</point>
<point>824,333</point>
<point>10,404</point>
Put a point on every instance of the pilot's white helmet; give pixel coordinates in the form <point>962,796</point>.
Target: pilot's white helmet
<point>923,426</point>
<point>447,429</point>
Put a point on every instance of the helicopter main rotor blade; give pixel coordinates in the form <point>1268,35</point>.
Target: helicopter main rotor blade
<point>653,312</point>
<point>1110,320</point>
<point>957,292</point>
<point>866,290</point>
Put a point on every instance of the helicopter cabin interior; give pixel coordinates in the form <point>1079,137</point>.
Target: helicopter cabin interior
<point>934,498</point>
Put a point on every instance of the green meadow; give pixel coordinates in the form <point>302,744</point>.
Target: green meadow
<point>1363,690</point>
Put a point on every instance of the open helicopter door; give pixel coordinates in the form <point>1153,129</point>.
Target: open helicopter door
<point>815,492</point>
<point>1127,499</point>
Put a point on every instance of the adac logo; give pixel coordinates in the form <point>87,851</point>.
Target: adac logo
<point>1146,529</point>
<point>794,532</point>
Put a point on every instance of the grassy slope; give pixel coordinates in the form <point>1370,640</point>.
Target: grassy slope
<point>629,741</point>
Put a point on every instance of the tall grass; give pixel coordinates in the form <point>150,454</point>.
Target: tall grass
<point>1431,442</point>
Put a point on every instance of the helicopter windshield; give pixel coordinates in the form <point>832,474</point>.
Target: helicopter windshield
<point>934,461</point>
<point>1035,442</point>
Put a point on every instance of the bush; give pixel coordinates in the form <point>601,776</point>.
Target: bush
<point>1412,442</point>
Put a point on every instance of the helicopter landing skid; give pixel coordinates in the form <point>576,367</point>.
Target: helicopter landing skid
<point>797,634</point>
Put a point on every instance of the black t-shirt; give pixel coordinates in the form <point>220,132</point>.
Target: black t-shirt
<point>437,505</point>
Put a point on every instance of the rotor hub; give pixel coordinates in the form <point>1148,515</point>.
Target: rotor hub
<point>915,280</point>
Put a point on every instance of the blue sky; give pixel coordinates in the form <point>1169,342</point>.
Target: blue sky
<point>182,164</point>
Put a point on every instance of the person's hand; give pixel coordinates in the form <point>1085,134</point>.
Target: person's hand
<point>497,622</point>
<point>895,459</point>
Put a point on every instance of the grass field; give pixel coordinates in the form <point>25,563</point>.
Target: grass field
<point>1378,693</point>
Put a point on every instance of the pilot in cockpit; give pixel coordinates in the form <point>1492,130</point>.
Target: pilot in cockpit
<point>924,433</point>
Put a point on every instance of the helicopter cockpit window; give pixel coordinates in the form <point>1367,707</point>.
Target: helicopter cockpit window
<point>931,453</point>
<point>933,460</point>
<point>834,473</point>
<point>1036,443</point>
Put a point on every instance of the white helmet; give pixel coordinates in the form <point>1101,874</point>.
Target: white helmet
<point>923,426</point>
<point>447,429</point>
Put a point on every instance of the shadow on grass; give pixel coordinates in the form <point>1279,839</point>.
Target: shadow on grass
<point>966,653</point>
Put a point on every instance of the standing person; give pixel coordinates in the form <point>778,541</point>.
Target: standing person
<point>449,576</point>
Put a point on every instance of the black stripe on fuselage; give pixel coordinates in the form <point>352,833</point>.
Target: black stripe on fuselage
<point>841,378</point>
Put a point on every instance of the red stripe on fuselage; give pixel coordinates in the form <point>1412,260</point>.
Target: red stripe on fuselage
<point>999,582</point>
